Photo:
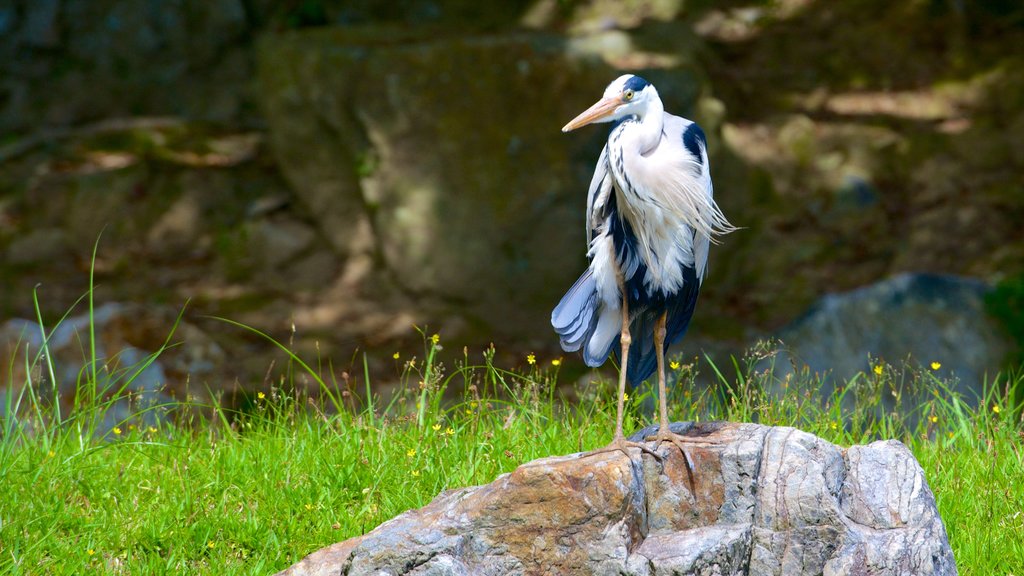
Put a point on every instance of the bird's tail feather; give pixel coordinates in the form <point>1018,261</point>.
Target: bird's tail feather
<point>604,337</point>
<point>582,322</point>
<point>575,316</point>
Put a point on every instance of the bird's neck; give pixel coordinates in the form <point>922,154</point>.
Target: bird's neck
<point>647,132</point>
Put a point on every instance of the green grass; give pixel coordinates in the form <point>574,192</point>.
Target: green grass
<point>216,492</point>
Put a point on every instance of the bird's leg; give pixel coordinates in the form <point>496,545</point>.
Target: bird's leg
<point>619,441</point>
<point>625,340</point>
<point>664,434</point>
<point>659,353</point>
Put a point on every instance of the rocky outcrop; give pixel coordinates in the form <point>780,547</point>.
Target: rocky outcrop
<point>763,501</point>
<point>928,317</point>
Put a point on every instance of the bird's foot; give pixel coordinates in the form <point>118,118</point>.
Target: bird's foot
<point>666,435</point>
<point>619,443</point>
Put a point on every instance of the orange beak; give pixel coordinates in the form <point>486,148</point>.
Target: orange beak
<point>601,109</point>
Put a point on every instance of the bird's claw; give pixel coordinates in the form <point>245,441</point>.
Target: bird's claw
<point>619,443</point>
<point>666,435</point>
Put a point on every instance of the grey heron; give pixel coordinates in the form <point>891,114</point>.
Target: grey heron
<point>651,218</point>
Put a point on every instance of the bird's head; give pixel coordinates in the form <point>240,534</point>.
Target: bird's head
<point>627,95</point>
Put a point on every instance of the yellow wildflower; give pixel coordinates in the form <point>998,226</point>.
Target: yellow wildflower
<point>261,396</point>
<point>674,365</point>
<point>395,355</point>
<point>117,431</point>
<point>833,425</point>
<point>50,454</point>
<point>996,409</point>
<point>410,452</point>
<point>936,365</point>
<point>531,359</point>
<point>435,339</point>
<point>90,551</point>
<point>309,506</point>
<point>625,397</point>
<point>415,473</point>
<point>878,369</point>
<point>152,430</point>
<point>436,427</point>
<point>556,362</point>
<point>211,544</point>
<point>933,418</point>
<point>449,432</point>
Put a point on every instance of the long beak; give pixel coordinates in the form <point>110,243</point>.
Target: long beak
<point>601,109</point>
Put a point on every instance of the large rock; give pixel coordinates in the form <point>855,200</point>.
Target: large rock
<point>440,159</point>
<point>764,501</point>
<point>928,317</point>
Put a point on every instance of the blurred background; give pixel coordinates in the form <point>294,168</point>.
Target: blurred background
<point>334,173</point>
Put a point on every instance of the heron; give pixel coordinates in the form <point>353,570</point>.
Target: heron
<point>651,219</point>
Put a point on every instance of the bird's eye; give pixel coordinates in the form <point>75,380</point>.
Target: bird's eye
<point>628,95</point>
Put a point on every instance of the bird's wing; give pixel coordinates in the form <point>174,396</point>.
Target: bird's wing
<point>597,196</point>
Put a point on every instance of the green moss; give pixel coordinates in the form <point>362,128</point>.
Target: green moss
<point>233,253</point>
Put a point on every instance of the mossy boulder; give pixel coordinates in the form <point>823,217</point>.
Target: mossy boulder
<point>440,159</point>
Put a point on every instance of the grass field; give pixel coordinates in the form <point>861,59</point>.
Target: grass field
<point>250,493</point>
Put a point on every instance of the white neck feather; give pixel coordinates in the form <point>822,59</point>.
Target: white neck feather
<point>648,133</point>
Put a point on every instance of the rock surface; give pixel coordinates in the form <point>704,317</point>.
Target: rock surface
<point>764,501</point>
<point>928,317</point>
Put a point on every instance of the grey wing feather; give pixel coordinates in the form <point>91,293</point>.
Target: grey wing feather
<point>575,316</point>
<point>597,196</point>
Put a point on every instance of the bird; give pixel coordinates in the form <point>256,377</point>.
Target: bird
<point>651,218</point>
